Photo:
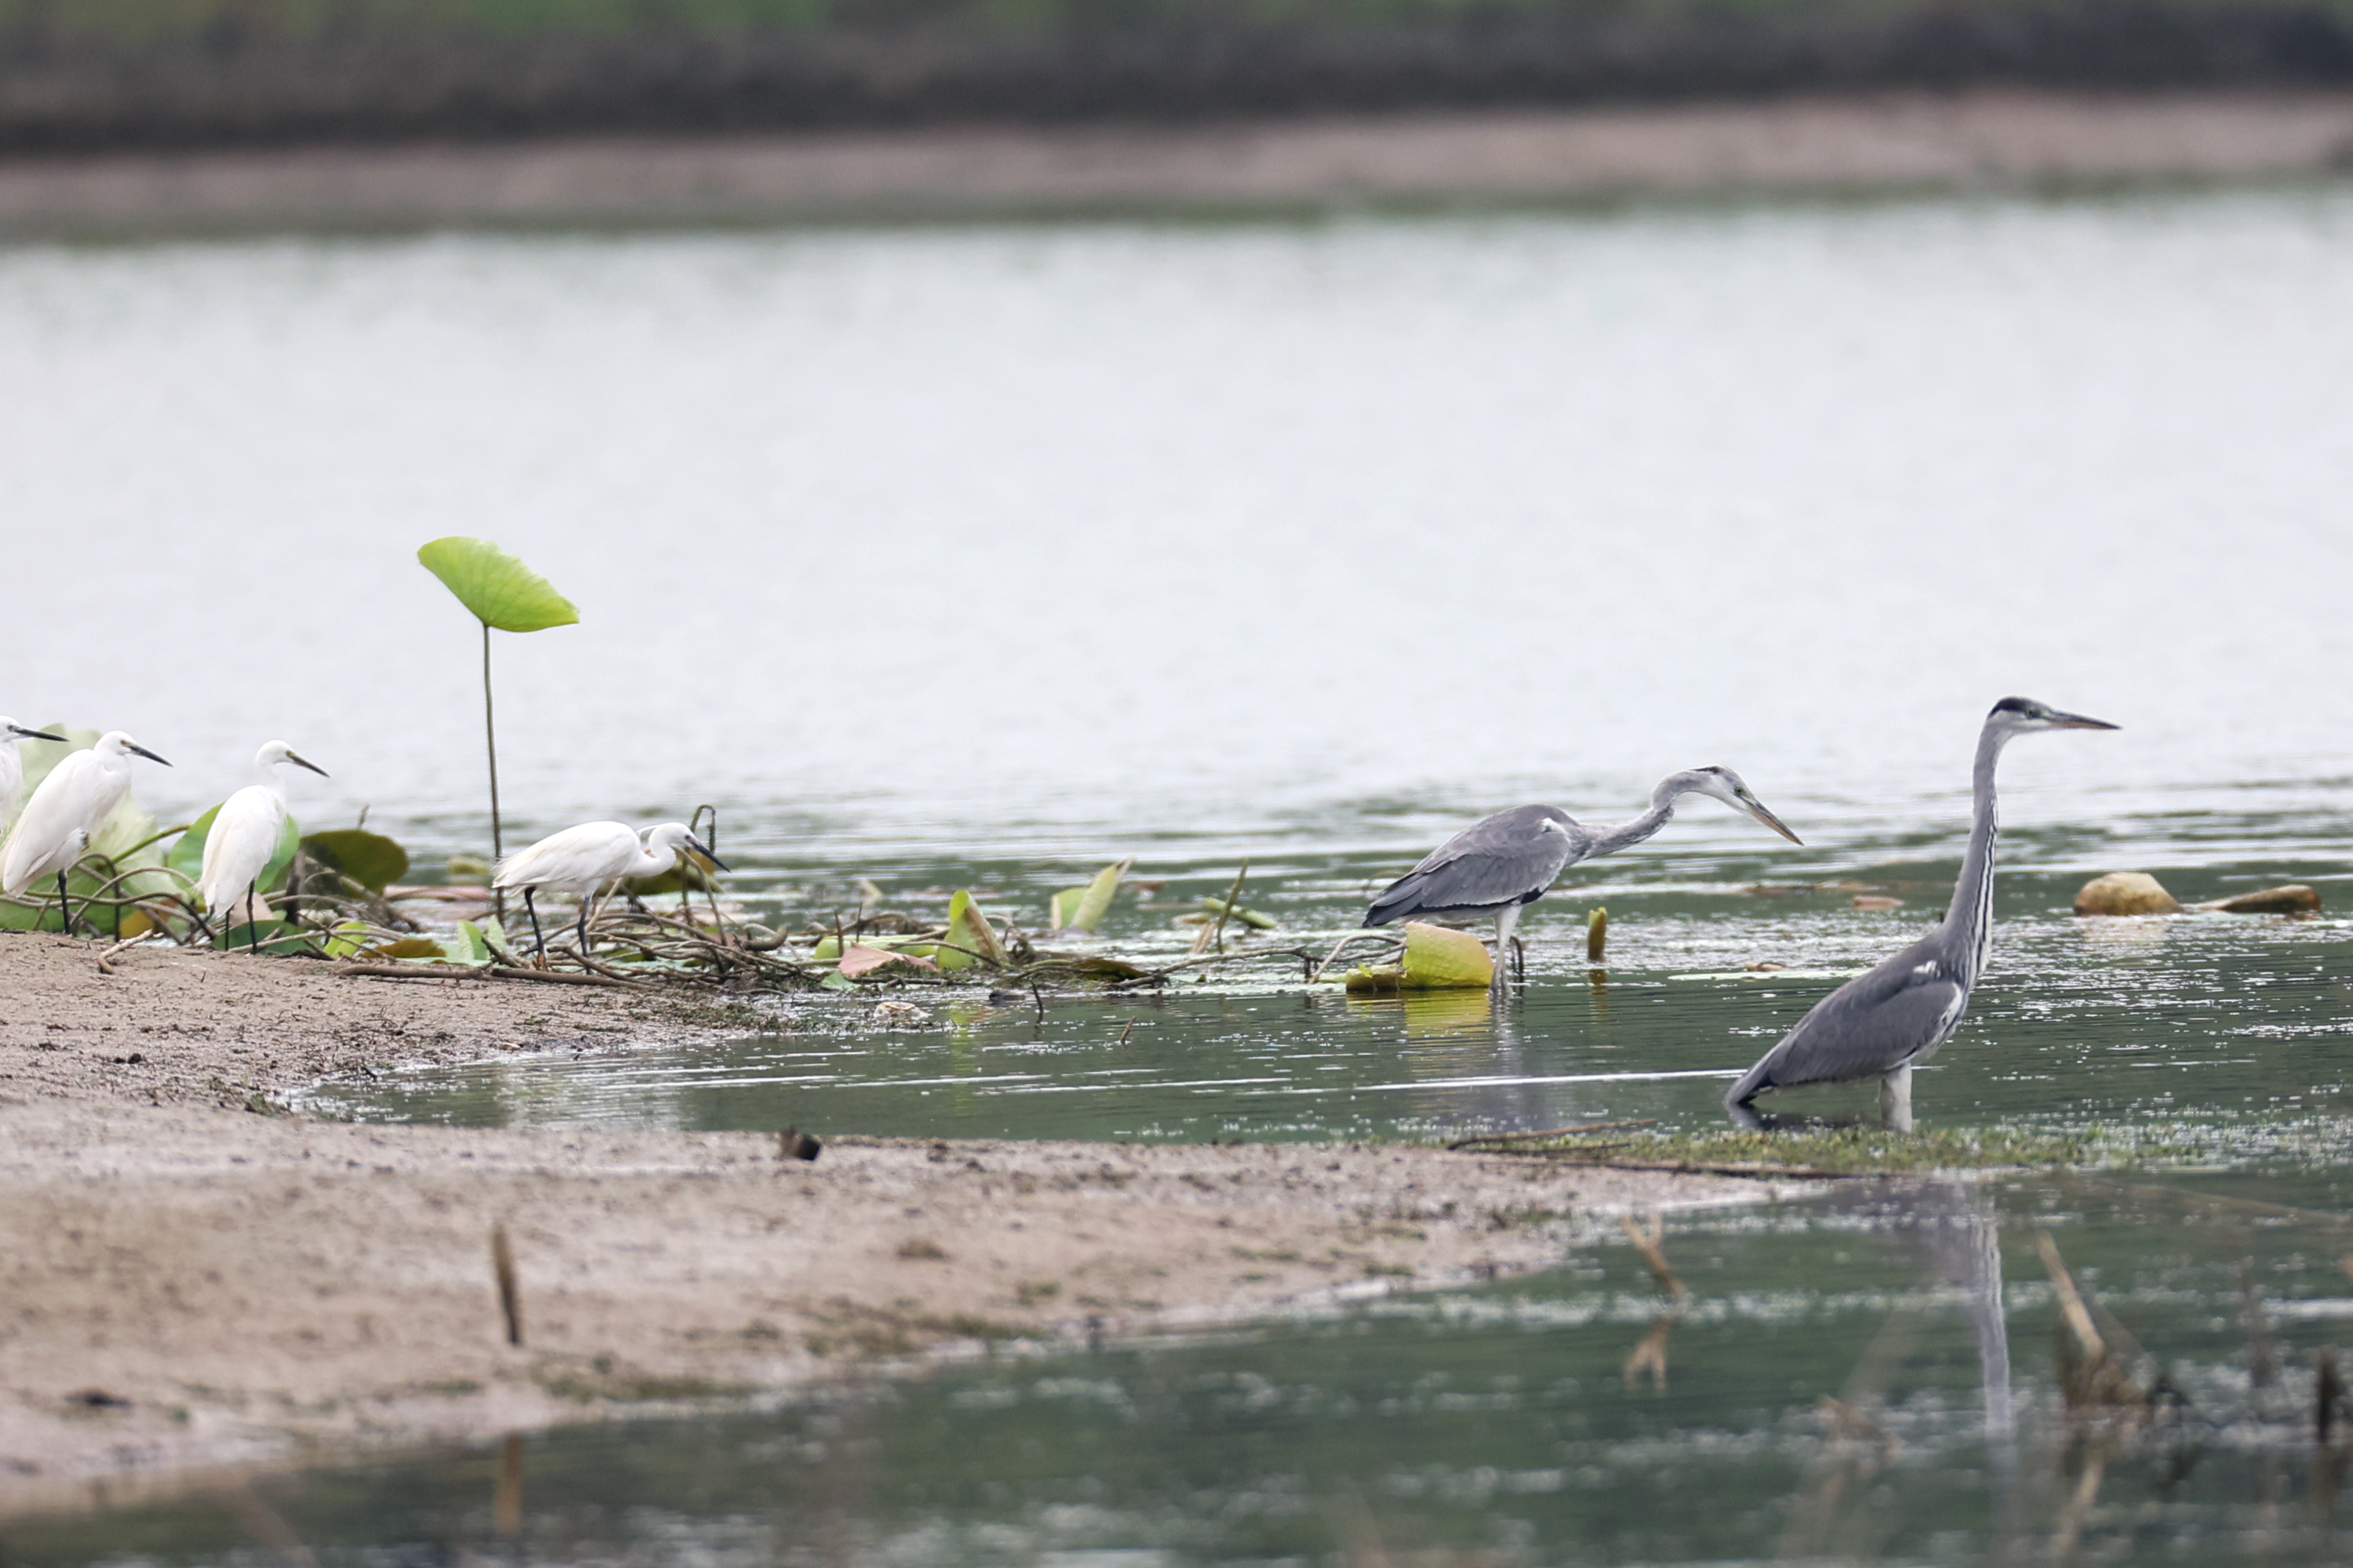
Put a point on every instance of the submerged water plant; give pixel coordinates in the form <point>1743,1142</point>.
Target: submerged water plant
<point>505,595</point>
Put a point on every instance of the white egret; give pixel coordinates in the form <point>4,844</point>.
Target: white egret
<point>66,813</point>
<point>243,838</point>
<point>12,764</point>
<point>580,860</point>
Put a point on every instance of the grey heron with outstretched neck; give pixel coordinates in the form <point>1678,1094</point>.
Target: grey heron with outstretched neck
<point>1881,1024</point>
<point>1503,862</point>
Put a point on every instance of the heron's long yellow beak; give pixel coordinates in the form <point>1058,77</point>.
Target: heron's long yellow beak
<point>1756,809</point>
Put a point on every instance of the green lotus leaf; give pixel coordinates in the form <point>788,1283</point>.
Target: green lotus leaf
<point>969,929</point>
<point>1082,908</point>
<point>1439,959</point>
<point>500,590</point>
<point>371,859</point>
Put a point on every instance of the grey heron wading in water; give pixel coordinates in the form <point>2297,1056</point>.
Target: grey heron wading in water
<point>1502,862</point>
<point>1879,1024</point>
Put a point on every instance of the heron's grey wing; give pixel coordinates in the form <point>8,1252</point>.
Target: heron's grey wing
<point>1508,857</point>
<point>1898,1012</point>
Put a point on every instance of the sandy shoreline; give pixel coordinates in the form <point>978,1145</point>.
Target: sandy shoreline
<point>1970,140</point>
<point>192,1284</point>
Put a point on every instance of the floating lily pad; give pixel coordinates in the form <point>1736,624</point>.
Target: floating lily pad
<point>861,961</point>
<point>831,948</point>
<point>423,947</point>
<point>500,590</point>
<point>371,859</point>
<point>1439,959</point>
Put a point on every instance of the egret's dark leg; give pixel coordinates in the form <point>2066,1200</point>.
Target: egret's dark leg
<point>584,923</point>
<point>252,921</point>
<point>1896,1099</point>
<point>538,937</point>
<point>64,915</point>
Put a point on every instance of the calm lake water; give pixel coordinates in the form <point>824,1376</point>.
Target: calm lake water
<point>975,557</point>
<point>1077,540</point>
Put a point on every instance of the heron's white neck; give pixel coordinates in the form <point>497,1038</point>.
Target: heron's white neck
<point>1969,917</point>
<point>1619,836</point>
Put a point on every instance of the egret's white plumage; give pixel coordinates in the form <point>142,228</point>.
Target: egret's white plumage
<point>245,830</point>
<point>583,860</point>
<point>11,765</point>
<point>66,811</point>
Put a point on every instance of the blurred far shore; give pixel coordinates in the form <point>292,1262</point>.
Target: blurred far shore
<point>119,115</point>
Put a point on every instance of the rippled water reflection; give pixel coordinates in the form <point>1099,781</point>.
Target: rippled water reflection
<point>1503,1424</point>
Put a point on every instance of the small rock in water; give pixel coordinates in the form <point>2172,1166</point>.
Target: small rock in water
<point>2125,893</point>
<point>2295,898</point>
<point>1877,901</point>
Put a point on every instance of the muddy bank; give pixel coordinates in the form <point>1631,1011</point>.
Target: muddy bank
<point>184,1285</point>
<point>1984,140</point>
<point>174,1028</point>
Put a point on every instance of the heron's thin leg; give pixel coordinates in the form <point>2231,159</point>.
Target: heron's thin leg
<point>252,921</point>
<point>584,924</point>
<point>65,913</point>
<point>1896,1099</point>
<point>538,937</point>
<point>1505,918</point>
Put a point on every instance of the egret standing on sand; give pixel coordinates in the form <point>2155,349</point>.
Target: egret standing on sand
<point>1501,862</point>
<point>12,764</point>
<point>244,837</point>
<point>66,813</point>
<point>582,861</point>
<point>1880,1023</point>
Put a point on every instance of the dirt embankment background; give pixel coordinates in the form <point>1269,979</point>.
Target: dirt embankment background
<point>97,75</point>
<point>187,1283</point>
<point>132,117</point>
<point>1979,141</point>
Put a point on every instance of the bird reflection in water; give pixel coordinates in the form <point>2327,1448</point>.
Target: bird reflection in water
<point>1950,1229</point>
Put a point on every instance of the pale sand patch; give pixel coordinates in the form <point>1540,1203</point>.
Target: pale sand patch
<point>261,1289</point>
<point>1984,139</point>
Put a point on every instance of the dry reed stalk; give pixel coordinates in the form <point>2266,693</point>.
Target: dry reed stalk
<point>1650,1244</point>
<point>502,1265</point>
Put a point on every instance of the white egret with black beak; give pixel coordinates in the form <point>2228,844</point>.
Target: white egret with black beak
<point>585,859</point>
<point>12,764</point>
<point>65,813</point>
<point>244,835</point>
